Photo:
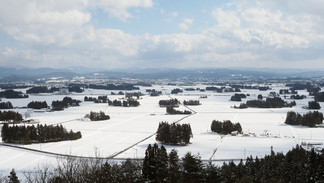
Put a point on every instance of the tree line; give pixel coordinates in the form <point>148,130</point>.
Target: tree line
<point>171,110</point>
<point>238,97</point>
<point>12,94</point>
<point>275,102</point>
<point>10,115</point>
<point>6,105</point>
<point>297,165</point>
<point>99,99</point>
<point>37,104</point>
<point>124,86</point>
<point>174,133</point>
<point>65,103</point>
<point>98,116</point>
<point>171,102</point>
<point>191,102</point>
<point>40,134</point>
<point>225,127</point>
<point>45,89</point>
<point>130,102</point>
<point>310,119</point>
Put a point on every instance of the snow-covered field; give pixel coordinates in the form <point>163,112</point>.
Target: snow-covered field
<point>129,126</point>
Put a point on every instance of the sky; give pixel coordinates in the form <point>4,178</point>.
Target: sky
<point>112,34</point>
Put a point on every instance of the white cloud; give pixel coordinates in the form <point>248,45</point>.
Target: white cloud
<point>186,24</point>
<point>183,26</point>
<point>246,33</point>
<point>174,14</point>
<point>119,8</point>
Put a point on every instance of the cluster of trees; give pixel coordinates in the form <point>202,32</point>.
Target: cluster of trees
<point>12,94</point>
<point>275,102</point>
<point>6,105</point>
<point>153,92</point>
<point>10,115</point>
<point>313,105</point>
<point>264,88</point>
<point>171,110</point>
<point>319,96</point>
<point>159,166</point>
<point>10,86</point>
<point>176,91</point>
<point>171,102</point>
<point>191,89</point>
<point>124,86</point>
<point>241,106</point>
<point>130,102</point>
<point>191,102</point>
<point>297,165</point>
<point>310,119</point>
<point>238,97</point>
<point>133,94</point>
<point>45,89</point>
<point>37,105</point>
<point>98,116</point>
<point>313,91</point>
<point>39,134</point>
<point>65,103</point>
<point>119,93</point>
<point>243,86</point>
<point>75,89</point>
<point>297,97</point>
<point>287,91</point>
<point>300,86</point>
<point>222,89</point>
<point>225,127</point>
<point>100,99</point>
<point>42,89</point>
<point>174,133</point>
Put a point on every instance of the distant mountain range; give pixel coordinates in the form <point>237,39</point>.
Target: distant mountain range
<point>29,74</point>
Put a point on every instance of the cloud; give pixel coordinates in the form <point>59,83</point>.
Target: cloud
<point>174,14</point>
<point>186,24</point>
<point>244,33</point>
<point>119,8</point>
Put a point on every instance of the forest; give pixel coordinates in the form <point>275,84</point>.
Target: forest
<point>297,165</point>
<point>12,94</point>
<point>40,134</point>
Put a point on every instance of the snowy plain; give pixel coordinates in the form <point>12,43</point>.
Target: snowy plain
<point>129,126</point>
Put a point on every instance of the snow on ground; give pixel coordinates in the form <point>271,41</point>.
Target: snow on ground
<point>129,126</point>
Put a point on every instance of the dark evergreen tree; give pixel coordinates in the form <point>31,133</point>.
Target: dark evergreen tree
<point>313,105</point>
<point>192,168</point>
<point>13,177</point>
<point>161,164</point>
<point>174,167</point>
<point>6,105</point>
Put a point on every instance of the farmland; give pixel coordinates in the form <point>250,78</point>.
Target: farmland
<point>130,129</point>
